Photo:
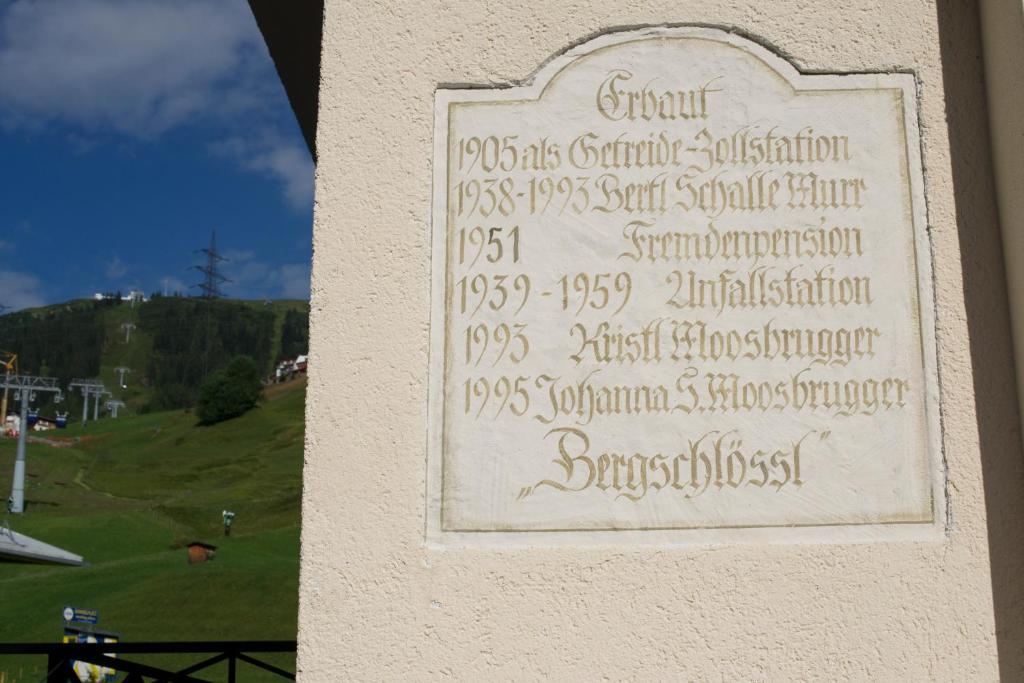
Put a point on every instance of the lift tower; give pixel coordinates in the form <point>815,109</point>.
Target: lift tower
<point>90,387</point>
<point>25,389</point>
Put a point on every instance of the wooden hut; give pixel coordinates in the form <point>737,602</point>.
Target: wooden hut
<point>200,552</point>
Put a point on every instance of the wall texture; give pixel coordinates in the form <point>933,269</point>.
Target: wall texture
<point>377,604</point>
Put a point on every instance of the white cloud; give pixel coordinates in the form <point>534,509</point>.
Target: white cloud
<point>139,67</point>
<point>143,67</point>
<point>286,162</point>
<point>245,273</point>
<point>239,255</point>
<point>253,278</point>
<point>171,285</point>
<point>294,280</point>
<point>20,290</point>
<point>291,166</point>
<point>116,269</point>
<point>136,66</point>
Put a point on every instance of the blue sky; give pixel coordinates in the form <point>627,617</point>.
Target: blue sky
<point>129,129</point>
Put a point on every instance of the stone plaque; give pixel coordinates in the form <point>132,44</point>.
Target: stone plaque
<point>681,292</point>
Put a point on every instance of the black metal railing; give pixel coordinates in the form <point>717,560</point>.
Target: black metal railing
<point>60,658</point>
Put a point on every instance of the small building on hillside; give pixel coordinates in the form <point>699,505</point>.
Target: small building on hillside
<point>289,369</point>
<point>200,552</point>
<point>44,424</point>
<point>12,425</point>
<point>133,297</point>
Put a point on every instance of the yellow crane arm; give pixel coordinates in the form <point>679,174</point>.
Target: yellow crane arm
<point>9,362</point>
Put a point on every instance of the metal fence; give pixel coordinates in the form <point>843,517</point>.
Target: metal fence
<point>60,658</point>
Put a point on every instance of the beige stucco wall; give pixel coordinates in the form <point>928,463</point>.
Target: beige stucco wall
<point>376,603</point>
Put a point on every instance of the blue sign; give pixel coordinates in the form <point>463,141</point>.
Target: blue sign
<point>80,615</point>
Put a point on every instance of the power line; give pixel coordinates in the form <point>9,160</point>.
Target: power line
<point>210,286</point>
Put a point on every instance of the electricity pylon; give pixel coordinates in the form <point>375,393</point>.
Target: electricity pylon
<point>210,286</point>
<point>25,388</point>
<point>90,387</point>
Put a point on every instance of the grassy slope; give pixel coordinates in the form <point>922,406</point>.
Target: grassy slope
<point>128,493</point>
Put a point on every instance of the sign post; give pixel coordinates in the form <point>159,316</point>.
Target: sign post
<point>81,615</point>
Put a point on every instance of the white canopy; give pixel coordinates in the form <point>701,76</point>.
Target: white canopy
<point>19,547</point>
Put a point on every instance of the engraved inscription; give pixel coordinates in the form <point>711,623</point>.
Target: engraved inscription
<point>680,286</point>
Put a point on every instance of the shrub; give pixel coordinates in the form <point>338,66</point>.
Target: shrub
<point>233,391</point>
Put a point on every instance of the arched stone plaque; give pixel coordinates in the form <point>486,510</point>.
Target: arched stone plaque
<point>682,292</point>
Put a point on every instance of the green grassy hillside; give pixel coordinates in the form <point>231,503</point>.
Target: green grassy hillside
<point>127,494</point>
<point>78,316</point>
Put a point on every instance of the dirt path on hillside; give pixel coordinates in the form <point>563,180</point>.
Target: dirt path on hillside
<point>56,443</point>
<point>80,480</point>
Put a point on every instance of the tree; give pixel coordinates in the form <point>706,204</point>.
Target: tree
<point>233,391</point>
<point>294,334</point>
<point>194,338</point>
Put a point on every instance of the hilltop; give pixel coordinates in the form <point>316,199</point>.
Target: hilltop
<point>127,494</point>
<point>174,343</point>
